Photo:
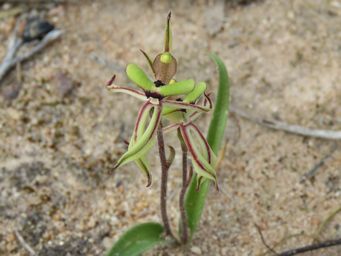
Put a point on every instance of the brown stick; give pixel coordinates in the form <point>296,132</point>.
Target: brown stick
<point>164,179</point>
<point>313,247</point>
<point>311,173</point>
<point>263,240</point>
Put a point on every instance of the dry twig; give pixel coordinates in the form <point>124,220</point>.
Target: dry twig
<point>24,244</point>
<point>325,223</point>
<point>263,240</point>
<point>14,44</point>
<point>296,129</point>
<point>313,247</point>
<point>311,173</point>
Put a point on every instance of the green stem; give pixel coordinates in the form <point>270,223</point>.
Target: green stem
<point>184,222</point>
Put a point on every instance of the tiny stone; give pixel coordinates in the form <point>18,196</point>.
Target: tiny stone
<point>196,250</point>
<point>107,242</point>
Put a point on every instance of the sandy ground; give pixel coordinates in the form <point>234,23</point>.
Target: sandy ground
<point>61,130</point>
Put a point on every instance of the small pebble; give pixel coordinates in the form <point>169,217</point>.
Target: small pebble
<point>196,250</point>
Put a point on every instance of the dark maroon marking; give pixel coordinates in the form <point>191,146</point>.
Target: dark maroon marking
<point>158,83</point>
<point>111,80</point>
<point>204,140</point>
<point>207,97</point>
<point>154,95</point>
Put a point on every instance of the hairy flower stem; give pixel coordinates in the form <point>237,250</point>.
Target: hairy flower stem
<point>184,222</point>
<point>164,178</point>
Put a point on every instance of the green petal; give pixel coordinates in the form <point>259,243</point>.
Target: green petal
<point>139,77</point>
<point>177,88</point>
<point>198,90</point>
<point>150,63</point>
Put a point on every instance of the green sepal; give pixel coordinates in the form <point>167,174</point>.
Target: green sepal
<point>139,129</point>
<point>198,90</point>
<point>136,152</point>
<point>178,88</point>
<point>168,34</point>
<point>144,143</point>
<point>139,77</point>
<point>200,161</point>
<point>202,158</point>
<point>202,172</point>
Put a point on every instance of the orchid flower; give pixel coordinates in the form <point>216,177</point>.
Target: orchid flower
<point>176,101</point>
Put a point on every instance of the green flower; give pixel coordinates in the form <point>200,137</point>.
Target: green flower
<point>176,101</point>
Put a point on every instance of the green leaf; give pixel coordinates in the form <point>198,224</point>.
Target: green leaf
<point>138,239</point>
<point>221,109</point>
<point>195,200</point>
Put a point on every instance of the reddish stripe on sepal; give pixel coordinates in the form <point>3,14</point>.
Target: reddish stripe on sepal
<point>202,137</point>
<point>190,146</point>
<point>139,116</point>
